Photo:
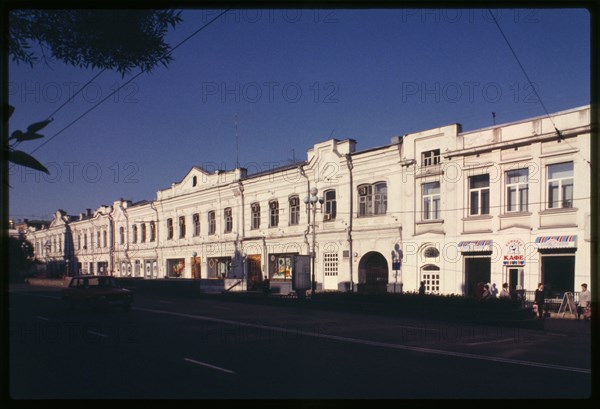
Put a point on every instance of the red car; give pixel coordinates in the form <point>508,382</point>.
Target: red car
<point>96,292</point>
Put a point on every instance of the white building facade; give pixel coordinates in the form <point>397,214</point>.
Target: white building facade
<point>504,204</point>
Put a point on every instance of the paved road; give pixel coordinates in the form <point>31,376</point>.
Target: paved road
<point>205,348</point>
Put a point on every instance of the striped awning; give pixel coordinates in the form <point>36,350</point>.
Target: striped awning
<point>475,245</point>
<point>556,242</point>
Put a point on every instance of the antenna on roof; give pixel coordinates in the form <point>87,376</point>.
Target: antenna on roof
<point>331,134</point>
<point>494,117</point>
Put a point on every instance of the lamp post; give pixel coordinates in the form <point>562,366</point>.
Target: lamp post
<point>194,254</point>
<point>311,205</point>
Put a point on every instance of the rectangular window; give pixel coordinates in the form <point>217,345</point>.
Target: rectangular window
<point>479,195</point>
<point>380,201</point>
<point>212,222</point>
<point>283,267</point>
<point>430,158</point>
<point>330,264</point>
<point>517,190</point>
<point>104,240</point>
<point>196,221</point>
<point>372,199</point>
<point>169,229</point>
<point>330,205</point>
<point>432,281</point>
<point>255,220</point>
<point>560,185</point>
<point>181,227</point>
<point>152,231</point>
<point>143,232</point>
<point>79,242</point>
<point>365,201</point>
<point>228,219</point>
<point>97,240</point>
<point>294,210</point>
<point>134,232</point>
<point>274,214</point>
<point>431,201</point>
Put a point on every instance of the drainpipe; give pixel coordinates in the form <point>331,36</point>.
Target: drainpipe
<point>350,264</point>
<point>111,248</point>
<point>126,237</point>
<point>303,173</point>
<point>156,224</point>
<point>241,238</point>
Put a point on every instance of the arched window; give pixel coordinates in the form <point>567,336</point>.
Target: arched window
<point>255,219</point>
<point>431,252</point>
<point>294,210</point>
<point>430,274</point>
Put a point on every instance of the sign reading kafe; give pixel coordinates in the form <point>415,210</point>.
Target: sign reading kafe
<point>514,253</point>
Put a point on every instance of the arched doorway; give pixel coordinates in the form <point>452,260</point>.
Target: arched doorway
<point>372,273</point>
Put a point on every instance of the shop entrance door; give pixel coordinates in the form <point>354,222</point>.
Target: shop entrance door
<point>477,270</point>
<point>254,272</point>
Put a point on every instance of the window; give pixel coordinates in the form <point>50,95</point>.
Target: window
<point>152,231</point>
<point>196,221</point>
<point>517,190</point>
<point>143,233</point>
<point>97,239</point>
<point>78,242</point>
<point>479,195</point>
<point>104,239</point>
<point>330,205</point>
<point>330,264</point>
<point>194,181</point>
<point>85,241</point>
<point>181,227</point>
<point>560,185</point>
<point>255,219</point>
<point>134,233</point>
<point>430,157</point>
<point>91,240</point>
<point>431,200</point>
<point>273,213</point>
<point>212,222</point>
<point>228,219</point>
<point>294,210</point>
<point>431,252</point>
<point>430,274</point>
<point>169,229</point>
<point>372,199</point>
<point>121,235</point>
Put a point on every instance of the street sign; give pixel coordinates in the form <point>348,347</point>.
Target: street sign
<point>301,273</point>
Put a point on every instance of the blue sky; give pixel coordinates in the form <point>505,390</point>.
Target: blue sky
<point>291,78</point>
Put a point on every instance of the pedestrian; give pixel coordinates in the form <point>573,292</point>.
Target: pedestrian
<point>266,286</point>
<point>422,288</point>
<point>540,300</point>
<point>486,295</point>
<point>583,305</point>
<point>479,290</point>
<point>504,293</point>
<point>493,291</point>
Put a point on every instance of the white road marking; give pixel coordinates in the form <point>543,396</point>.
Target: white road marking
<point>377,343</point>
<point>39,317</point>
<point>208,365</point>
<point>493,341</point>
<point>99,334</point>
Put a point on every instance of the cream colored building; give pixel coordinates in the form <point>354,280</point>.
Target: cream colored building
<point>508,203</point>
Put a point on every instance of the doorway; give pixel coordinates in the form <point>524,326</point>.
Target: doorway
<point>372,273</point>
<point>477,270</point>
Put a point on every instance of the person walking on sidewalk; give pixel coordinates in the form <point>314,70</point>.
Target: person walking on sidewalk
<point>540,300</point>
<point>583,305</point>
<point>504,293</point>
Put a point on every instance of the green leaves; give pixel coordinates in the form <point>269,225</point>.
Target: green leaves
<point>31,134</point>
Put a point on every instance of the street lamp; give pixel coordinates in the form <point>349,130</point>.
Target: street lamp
<point>311,204</point>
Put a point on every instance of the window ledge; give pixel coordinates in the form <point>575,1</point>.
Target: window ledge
<point>559,210</point>
<point>482,217</point>
<point>515,214</point>
<point>436,221</point>
<point>367,216</point>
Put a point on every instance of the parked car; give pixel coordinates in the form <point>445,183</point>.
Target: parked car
<point>96,292</point>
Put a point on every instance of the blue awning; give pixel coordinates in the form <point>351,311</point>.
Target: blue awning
<point>556,242</point>
<point>475,246</point>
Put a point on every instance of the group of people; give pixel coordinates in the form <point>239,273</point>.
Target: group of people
<point>583,305</point>
<point>487,291</point>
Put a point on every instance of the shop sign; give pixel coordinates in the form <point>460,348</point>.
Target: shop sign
<point>514,253</point>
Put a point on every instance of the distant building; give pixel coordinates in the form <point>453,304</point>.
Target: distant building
<point>509,203</point>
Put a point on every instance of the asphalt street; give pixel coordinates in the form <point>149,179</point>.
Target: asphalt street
<point>206,348</point>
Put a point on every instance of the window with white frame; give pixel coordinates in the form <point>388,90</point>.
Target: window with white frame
<point>91,240</point>
<point>152,231</point>
<point>121,235</point>
<point>212,222</point>
<point>85,241</point>
<point>97,238</point>
<point>372,199</point>
<point>330,205</point>
<point>330,264</point>
<point>479,195</point>
<point>430,274</point>
<point>294,210</point>
<point>135,233</point>
<point>228,219</point>
<point>273,213</point>
<point>104,239</point>
<point>430,158</point>
<point>517,190</point>
<point>196,221</point>
<point>560,185</point>
<point>255,219</point>
<point>181,227</point>
<point>143,232</point>
<point>169,229</point>
<point>431,200</point>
